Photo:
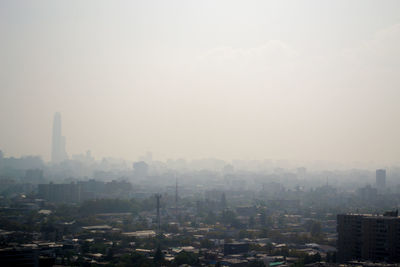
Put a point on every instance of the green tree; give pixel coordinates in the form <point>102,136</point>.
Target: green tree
<point>256,263</point>
<point>228,217</point>
<point>158,255</point>
<point>184,257</point>
<point>206,243</point>
<point>315,229</point>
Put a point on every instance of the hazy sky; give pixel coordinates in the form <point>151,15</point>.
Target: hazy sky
<point>228,79</point>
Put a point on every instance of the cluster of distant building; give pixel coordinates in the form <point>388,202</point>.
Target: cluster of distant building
<point>83,190</point>
<point>369,237</point>
<point>361,237</point>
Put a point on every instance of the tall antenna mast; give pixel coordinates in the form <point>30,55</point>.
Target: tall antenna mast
<point>176,198</point>
<point>158,196</point>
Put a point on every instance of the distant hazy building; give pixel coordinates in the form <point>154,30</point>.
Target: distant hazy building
<point>380,179</point>
<point>34,176</point>
<point>60,192</point>
<point>91,189</point>
<point>367,193</point>
<point>368,237</point>
<point>58,152</point>
<point>140,169</point>
<point>84,158</point>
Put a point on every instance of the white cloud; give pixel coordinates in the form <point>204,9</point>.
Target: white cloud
<point>271,54</point>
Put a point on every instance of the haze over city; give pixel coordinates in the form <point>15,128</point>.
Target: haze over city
<point>305,81</point>
<point>185,133</point>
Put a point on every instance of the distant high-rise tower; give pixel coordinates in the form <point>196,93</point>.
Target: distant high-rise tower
<point>380,179</point>
<point>58,152</point>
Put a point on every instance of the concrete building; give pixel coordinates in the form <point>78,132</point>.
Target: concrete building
<point>367,193</point>
<point>60,192</point>
<point>368,237</point>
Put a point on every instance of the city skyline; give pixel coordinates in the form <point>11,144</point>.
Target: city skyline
<point>258,133</point>
<point>59,154</point>
<point>267,80</point>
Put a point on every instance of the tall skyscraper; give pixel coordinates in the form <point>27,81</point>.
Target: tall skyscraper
<point>58,152</point>
<point>380,179</point>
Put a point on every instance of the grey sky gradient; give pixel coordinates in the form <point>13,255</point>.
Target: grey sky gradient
<point>230,79</point>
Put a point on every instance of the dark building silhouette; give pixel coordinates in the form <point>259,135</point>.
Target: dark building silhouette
<point>235,248</point>
<point>60,192</point>
<point>19,257</point>
<point>368,237</point>
<point>58,152</point>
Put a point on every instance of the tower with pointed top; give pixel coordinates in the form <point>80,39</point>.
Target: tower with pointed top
<point>58,153</point>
